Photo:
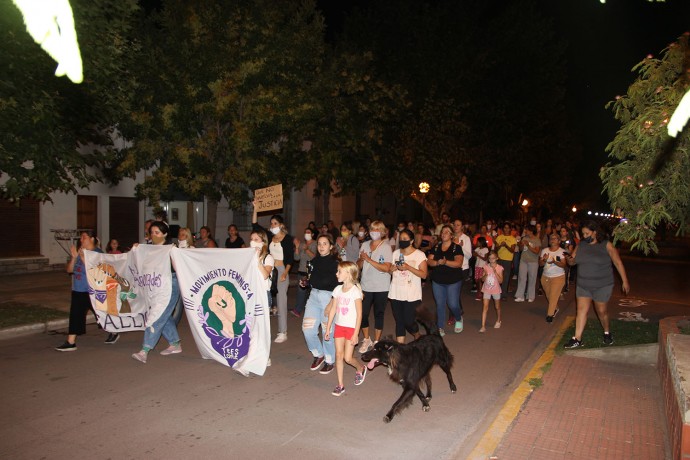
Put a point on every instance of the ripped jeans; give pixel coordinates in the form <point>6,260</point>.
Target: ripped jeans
<point>313,319</point>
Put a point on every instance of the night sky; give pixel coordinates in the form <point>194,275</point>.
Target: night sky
<point>605,42</point>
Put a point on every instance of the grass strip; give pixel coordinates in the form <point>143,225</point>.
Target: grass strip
<point>14,314</point>
<point>624,333</point>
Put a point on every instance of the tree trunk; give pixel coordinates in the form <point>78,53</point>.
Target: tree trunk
<point>326,204</point>
<point>211,218</point>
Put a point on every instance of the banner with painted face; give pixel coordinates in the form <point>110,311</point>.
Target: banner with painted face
<point>226,303</point>
<point>129,291</point>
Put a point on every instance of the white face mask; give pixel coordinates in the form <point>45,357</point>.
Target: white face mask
<point>375,236</point>
<point>400,229</point>
<point>488,227</point>
<point>307,236</point>
<point>361,234</point>
<point>182,244</point>
<point>275,230</point>
<point>533,222</point>
<point>256,245</point>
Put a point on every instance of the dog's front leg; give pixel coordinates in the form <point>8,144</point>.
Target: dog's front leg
<point>402,402</point>
<point>423,399</point>
<point>427,383</point>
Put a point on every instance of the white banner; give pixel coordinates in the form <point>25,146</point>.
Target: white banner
<point>129,291</point>
<point>226,304</point>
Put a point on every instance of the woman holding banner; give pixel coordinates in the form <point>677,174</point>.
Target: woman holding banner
<point>165,325</point>
<point>282,249</point>
<point>81,303</point>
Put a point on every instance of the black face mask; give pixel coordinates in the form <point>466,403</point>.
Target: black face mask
<point>587,240</point>
<point>402,244</point>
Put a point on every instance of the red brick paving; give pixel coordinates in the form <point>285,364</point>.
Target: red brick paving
<point>590,409</point>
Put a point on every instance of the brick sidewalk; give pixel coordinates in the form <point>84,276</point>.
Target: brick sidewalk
<point>590,409</point>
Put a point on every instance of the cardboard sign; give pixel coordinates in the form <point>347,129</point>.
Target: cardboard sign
<point>269,198</point>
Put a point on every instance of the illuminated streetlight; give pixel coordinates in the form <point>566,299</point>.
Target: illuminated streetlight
<point>424,189</point>
<point>574,209</point>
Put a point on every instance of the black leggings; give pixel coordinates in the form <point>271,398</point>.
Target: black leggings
<point>379,301</point>
<point>405,314</point>
<point>80,305</point>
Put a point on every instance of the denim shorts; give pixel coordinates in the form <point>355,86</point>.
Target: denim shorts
<point>598,295</point>
<point>488,296</point>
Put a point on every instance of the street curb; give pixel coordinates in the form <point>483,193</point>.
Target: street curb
<point>510,410</point>
<point>37,328</point>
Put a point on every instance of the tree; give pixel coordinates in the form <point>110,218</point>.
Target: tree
<point>350,139</point>
<point>224,95</point>
<point>647,181</point>
<point>44,119</point>
<point>431,147</point>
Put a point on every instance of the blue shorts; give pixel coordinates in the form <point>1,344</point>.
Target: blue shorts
<point>598,295</point>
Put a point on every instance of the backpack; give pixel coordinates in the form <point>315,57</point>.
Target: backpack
<point>273,277</point>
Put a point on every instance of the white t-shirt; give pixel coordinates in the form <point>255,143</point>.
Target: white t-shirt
<point>406,285</point>
<point>481,252</point>
<point>552,270</point>
<point>268,261</point>
<point>466,244</point>
<point>345,308</point>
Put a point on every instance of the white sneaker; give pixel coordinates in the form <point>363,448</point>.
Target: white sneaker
<point>282,337</point>
<point>268,363</point>
<point>366,344</point>
<point>519,299</point>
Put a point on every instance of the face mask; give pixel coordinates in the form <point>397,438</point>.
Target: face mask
<point>158,239</point>
<point>345,233</point>
<point>488,227</point>
<point>182,244</point>
<point>275,230</point>
<point>256,245</point>
<point>307,236</point>
<point>587,240</point>
<point>360,234</point>
<point>404,244</point>
<point>533,222</point>
<point>375,236</point>
<point>400,229</point>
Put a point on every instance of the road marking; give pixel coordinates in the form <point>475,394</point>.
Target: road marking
<point>631,302</point>
<point>510,410</point>
<point>633,317</point>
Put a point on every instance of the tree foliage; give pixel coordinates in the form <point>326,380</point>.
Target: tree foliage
<point>647,181</point>
<point>502,67</point>
<point>44,119</point>
<point>225,90</point>
<point>351,141</point>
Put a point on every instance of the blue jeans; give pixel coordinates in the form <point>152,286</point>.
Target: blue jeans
<point>313,318</point>
<point>165,325</point>
<point>447,294</point>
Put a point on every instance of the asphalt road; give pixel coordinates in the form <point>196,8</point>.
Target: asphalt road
<point>98,402</point>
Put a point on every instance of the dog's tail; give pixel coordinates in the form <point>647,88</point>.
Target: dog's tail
<point>427,318</point>
<point>430,327</point>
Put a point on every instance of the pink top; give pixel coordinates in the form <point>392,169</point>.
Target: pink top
<point>491,284</point>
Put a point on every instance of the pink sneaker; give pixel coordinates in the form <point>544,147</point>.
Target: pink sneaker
<point>172,349</point>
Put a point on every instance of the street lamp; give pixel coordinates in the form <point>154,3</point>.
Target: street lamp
<point>423,189</point>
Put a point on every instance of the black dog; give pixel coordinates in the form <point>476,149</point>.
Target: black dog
<point>410,364</point>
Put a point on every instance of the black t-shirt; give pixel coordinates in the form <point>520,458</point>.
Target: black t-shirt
<point>323,272</point>
<point>444,274</point>
<point>239,242</point>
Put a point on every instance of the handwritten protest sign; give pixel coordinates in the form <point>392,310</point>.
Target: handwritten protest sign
<point>269,198</point>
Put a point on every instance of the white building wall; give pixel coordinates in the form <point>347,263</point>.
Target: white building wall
<point>62,214</point>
